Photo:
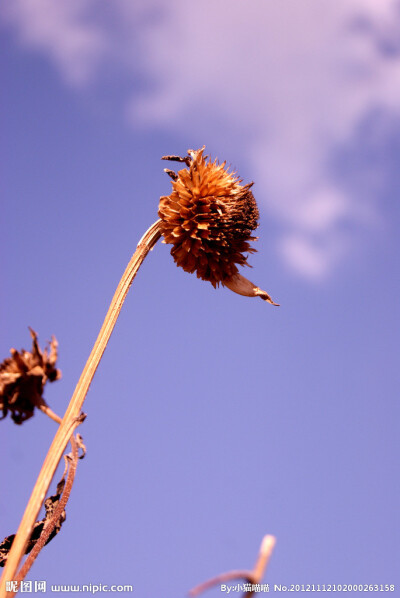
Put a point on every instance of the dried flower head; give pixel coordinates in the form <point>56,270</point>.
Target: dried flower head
<point>23,376</point>
<point>209,218</point>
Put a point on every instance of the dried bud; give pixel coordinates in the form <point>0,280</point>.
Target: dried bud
<point>22,379</point>
<point>209,218</point>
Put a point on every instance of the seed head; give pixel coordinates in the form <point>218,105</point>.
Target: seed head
<point>209,218</point>
<point>23,376</point>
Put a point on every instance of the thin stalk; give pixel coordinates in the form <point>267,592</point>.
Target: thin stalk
<point>55,518</point>
<point>252,577</point>
<point>72,413</point>
<point>50,413</point>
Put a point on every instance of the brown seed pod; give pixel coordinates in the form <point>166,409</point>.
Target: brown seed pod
<point>209,218</point>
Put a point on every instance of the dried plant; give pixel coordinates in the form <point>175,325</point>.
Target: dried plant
<point>252,578</point>
<point>48,527</point>
<point>23,377</point>
<point>50,504</point>
<point>208,218</point>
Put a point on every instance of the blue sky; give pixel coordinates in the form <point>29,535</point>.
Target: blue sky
<point>213,419</point>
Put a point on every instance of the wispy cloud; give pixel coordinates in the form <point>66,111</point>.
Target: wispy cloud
<point>64,31</point>
<point>292,82</point>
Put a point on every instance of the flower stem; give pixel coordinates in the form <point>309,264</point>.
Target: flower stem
<point>253,577</point>
<point>55,517</point>
<point>71,417</point>
<point>49,412</point>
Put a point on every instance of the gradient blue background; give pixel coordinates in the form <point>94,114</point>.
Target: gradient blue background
<point>213,419</point>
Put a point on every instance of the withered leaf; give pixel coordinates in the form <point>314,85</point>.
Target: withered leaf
<point>50,506</point>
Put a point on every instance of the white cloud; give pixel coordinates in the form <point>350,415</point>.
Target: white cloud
<point>291,81</point>
<point>63,30</point>
<point>306,257</point>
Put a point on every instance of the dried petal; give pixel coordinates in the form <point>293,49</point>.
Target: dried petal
<point>239,284</point>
